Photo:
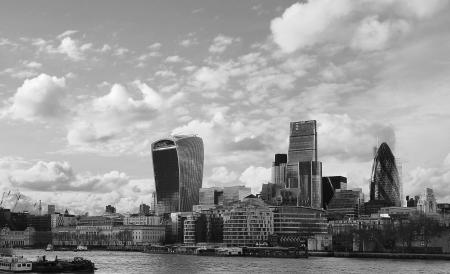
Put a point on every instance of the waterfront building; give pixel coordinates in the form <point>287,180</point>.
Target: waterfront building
<point>195,229</point>
<point>385,180</point>
<point>427,202</point>
<point>346,203</point>
<point>144,209</point>
<point>278,172</point>
<point>293,224</point>
<point>51,209</point>
<point>178,171</point>
<point>100,221</point>
<point>176,226</point>
<point>247,223</point>
<point>143,220</point>
<point>17,238</point>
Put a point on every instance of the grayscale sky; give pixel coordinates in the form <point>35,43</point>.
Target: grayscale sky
<point>86,86</point>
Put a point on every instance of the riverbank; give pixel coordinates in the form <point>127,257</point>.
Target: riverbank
<point>380,255</point>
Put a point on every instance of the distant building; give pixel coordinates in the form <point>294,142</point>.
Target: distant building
<point>346,203</point>
<point>21,238</point>
<point>271,194</point>
<point>144,209</point>
<point>247,223</point>
<point>385,180</point>
<point>136,219</point>
<point>58,220</point>
<point>51,209</point>
<point>329,185</point>
<point>211,196</point>
<point>110,209</point>
<point>178,170</point>
<point>427,202</point>
<point>233,194</point>
<point>412,202</point>
<point>278,172</point>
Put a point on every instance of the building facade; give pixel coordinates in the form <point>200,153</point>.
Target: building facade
<point>247,223</point>
<point>278,172</point>
<point>178,170</point>
<point>346,204</point>
<point>385,180</point>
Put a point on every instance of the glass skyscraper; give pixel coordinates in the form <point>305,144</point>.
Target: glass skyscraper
<point>385,180</point>
<point>304,171</point>
<point>279,170</point>
<point>178,170</point>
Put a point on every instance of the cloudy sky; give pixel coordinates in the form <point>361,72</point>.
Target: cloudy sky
<point>86,87</point>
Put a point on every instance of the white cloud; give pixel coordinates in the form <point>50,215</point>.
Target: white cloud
<point>372,34</point>
<point>305,24</point>
<point>113,114</point>
<point>174,59</point>
<point>57,183</point>
<point>32,64</point>
<point>221,43</point>
<point>73,49</point>
<point>254,177</point>
<point>210,78</point>
<point>67,33</point>
<point>38,98</point>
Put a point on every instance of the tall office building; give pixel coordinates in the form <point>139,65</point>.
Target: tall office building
<point>304,172</point>
<point>279,170</point>
<point>385,181</point>
<point>51,209</point>
<point>178,170</point>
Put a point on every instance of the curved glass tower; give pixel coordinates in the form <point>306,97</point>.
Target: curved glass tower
<point>178,170</point>
<point>385,180</point>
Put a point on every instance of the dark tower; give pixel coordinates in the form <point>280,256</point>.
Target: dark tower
<point>385,180</point>
<point>178,170</point>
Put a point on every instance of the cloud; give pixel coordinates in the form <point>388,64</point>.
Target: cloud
<point>174,59</point>
<point>73,48</point>
<point>67,33</point>
<point>113,114</point>
<point>344,138</point>
<point>254,177</point>
<point>221,43</point>
<point>372,34</point>
<point>305,24</point>
<point>209,78</point>
<point>38,98</point>
<point>315,22</point>
<point>221,176</point>
<point>57,183</point>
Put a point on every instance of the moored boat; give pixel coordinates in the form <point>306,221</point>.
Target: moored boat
<point>15,264</point>
<point>78,264</point>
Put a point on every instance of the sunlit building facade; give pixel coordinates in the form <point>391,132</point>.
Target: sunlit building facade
<point>178,170</point>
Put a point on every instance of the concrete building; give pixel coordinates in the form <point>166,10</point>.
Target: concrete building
<point>144,209</point>
<point>427,202</point>
<point>299,221</point>
<point>235,194</point>
<point>211,196</point>
<point>247,223</point>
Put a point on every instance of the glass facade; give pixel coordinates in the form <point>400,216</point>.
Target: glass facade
<point>178,170</point>
<point>385,180</point>
<point>329,186</point>
<point>279,170</point>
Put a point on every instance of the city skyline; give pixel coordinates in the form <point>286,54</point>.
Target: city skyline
<point>85,92</point>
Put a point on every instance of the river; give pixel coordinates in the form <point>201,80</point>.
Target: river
<point>136,262</point>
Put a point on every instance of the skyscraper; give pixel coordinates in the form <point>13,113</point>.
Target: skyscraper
<point>178,170</point>
<point>302,148</point>
<point>304,172</point>
<point>385,181</point>
<point>279,170</point>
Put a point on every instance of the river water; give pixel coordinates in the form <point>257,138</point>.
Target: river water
<point>135,262</point>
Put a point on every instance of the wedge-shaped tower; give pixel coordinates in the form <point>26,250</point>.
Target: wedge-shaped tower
<point>385,180</point>
<point>178,170</point>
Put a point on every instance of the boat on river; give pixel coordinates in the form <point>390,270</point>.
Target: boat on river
<point>78,264</point>
<point>15,264</point>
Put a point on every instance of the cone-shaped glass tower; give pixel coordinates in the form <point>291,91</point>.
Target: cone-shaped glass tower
<point>385,181</point>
